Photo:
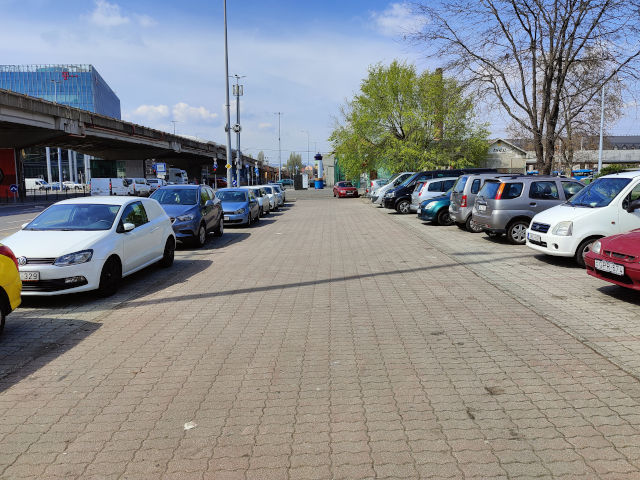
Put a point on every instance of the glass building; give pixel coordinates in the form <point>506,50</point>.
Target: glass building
<point>79,86</point>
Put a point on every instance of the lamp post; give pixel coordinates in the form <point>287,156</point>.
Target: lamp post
<point>238,91</point>
<point>55,90</point>
<point>174,125</point>
<point>279,147</point>
<point>226,91</point>
<point>307,132</point>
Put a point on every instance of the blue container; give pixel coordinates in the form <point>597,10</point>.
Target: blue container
<point>319,184</point>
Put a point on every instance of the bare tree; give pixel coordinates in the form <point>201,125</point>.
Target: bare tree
<point>522,52</point>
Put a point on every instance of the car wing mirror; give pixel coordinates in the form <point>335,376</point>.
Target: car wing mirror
<point>24,225</point>
<point>209,203</point>
<point>127,227</point>
<point>632,206</point>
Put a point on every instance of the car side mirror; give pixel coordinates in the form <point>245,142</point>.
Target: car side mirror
<point>127,227</point>
<point>635,205</point>
<point>209,203</point>
<point>24,225</point>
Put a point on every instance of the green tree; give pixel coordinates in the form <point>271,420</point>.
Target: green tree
<point>294,161</point>
<point>405,120</point>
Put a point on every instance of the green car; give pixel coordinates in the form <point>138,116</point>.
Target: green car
<point>436,210</point>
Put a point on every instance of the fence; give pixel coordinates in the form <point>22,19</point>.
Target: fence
<point>34,195</point>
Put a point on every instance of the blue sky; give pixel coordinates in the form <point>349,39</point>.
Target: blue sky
<point>164,59</point>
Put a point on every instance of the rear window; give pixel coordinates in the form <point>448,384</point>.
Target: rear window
<point>418,186</point>
<point>447,184</point>
<point>509,191</point>
<point>489,190</point>
<point>459,185</point>
<point>435,187</point>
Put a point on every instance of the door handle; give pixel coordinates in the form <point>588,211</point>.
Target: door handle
<point>533,204</point>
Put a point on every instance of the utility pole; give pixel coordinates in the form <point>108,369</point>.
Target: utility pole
<point>307,132</point>
<point>601,132</point>
<point>174,125</point>
<point>279,147</point>
<point>238,91</point>
<point>227,105</point>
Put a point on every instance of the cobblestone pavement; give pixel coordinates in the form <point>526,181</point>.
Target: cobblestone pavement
<point>332,341</point>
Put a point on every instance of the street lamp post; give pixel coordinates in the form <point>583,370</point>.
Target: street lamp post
<point>238,91</point>
<point>279,147</point>
<point>307,132</point>
<point>227,105</point>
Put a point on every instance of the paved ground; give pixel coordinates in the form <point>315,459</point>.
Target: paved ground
<point>333,340</point>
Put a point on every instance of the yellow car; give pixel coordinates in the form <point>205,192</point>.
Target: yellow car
<point>10,283</point>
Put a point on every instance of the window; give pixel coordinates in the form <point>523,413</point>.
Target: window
<point>475,186</point>
<point>175,196</point>
<point>134,213</point>
<point>435,187</point>
<point>571,188</point>
<point>599,193</point>
<point>204,196</point>
<point>635,193</point>
<point>210,193</point>
<point>544,191</point>
<point>459,186</point>
<point>447,184</point>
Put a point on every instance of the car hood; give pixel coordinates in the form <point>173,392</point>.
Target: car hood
<point>560,213</point>
<point>52,243</point>
<point>177,210</point>
<point>232,206</point>
<point>627,243</point>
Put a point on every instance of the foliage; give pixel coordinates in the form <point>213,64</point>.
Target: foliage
<point>404,120</point>
<point>614,168</point>
<point>294,162</point>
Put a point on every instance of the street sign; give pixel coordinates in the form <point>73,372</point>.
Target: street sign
<point>13,188</point>
<point>257,170</point>
<point>234,183</point>
<point>161,168</point>
<point>228,166</point>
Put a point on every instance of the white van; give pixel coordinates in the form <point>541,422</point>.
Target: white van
<point>177,176</point>
<point>109,186</point>
<point>36,184</point>
<point>138,187</point>
<point>602,208</point>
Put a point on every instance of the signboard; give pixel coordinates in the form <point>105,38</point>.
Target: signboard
<point>161,168</point>
<point>305,180</point>
<point>13,188</point>
<point>228,166</point>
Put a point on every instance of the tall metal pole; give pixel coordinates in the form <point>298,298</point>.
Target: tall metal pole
<point>307,132</point>
<point>238,92</point>
<point>601,132</point>
<point>48,153</point>
<point>279,148</point>
<point>227,104</point>
<point>60,168</point>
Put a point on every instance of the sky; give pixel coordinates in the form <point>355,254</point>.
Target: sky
<point>165,61</point>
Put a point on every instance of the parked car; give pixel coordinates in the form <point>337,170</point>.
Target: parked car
<point>73,185</point>
<point>615,259</point>
<point>345,189</point>
<point>239,206</point>
<point>194,211</point>
<point>155,183</point>
<point>56,186</point>
<point>375,185</point>
<point>36,184</point>
<point>220,182</point>
<point>507,204</point>
<point>428,189</point>
<point>463,197</point>
<point>607,206</point>
<point>286,181</point>
<point>279,193</point>
<point>108,186</point>
<point>399,178</point>
<point>399,198</point>
<point>271,194</point>
<point>436,210</point>
<point>90,243</point>
<point>138,187</point>
<point>263,199</point>
<point>10,284</point>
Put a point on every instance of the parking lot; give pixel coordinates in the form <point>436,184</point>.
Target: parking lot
<point>336,340</point>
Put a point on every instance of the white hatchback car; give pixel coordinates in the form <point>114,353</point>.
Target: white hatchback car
<point>90,243</point>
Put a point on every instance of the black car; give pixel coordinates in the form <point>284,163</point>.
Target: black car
<point>399,198</point>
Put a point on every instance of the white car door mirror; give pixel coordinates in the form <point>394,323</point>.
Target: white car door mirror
<point>127,227</point>
<point>24,225</point>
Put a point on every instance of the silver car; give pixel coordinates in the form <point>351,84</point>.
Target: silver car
<point>434,187</point>
<point>463,196</point>
<point>273,196</point>
<point>282,197</point>
<point>263,199</point>
<point>507,204</point>
<point>397,179</point>
<point>376,184</point>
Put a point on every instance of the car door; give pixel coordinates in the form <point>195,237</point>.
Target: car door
<point>543,194</point>
<point>205,210</point>
<point>216,209</point>
<point>136,243</point>
<point>629,221</point>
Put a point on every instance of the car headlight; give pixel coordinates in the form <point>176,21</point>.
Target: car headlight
<point>563,229</point>
<point>186,218</point>
<point>240,211</point>
<point>82,256</point>
<point>390,194</point>
<point>596,247</point>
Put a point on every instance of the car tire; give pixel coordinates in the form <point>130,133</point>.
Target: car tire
<point>257,219</point>
<point>517,232</point>
<point>582,250</point>
<point>403,207</point>
<point>3,317</point>
<point>444,218</point>
<point>261,213</point>
<point>201,237</point>
<point>169,253</point>
<point>219,230</point>
<point>110,277</point>
<point>471,226</point>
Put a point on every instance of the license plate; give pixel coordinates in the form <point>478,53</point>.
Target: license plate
<point>610,267</point>
<point>482,208</point>
<point>226,218</point>
<point>29,276</point>
<point>535,238</point>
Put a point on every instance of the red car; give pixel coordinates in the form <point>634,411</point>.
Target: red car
<point>345,189</point>
<point>616,259</point>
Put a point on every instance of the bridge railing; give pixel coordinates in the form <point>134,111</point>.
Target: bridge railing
<point>35,195</point>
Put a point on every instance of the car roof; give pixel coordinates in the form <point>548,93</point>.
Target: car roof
<point>631,174</point>
<point>180,186</point>
<point>232,189</point>
<point>99,199</point>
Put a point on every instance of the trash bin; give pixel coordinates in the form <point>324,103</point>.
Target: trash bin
<point>319,184</point>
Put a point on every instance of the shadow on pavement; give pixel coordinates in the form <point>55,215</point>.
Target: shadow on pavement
<point>562,262</point>
<point>28,344</point>
<point>627,295</point>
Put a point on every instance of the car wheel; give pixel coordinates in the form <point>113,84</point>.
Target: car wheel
<point>169,253</point>
<point>257,219</point>
<point>403,207</point>
<point>444,218</point>
<point>471,226</point>
<point>582,250</point>
<point>110,277</point>
<point>201,237</point>
<point>261,213</point>
<point>219,229</point>
<point>3,316</point>
<point>517,232</point>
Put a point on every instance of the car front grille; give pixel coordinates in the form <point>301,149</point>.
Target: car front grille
<point>619,256</point>
<point>50,285</point>
<point>40,261</point>
<point>540,227</point>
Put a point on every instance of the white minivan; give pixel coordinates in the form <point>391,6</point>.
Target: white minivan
<point>109,186</point>
<point>602,208</point>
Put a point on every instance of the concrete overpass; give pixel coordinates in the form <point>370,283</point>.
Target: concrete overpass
<point>591,157</point>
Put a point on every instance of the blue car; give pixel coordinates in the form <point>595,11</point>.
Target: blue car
<point>436,210</point>
<point>240,206</point>
<point>194,211</point>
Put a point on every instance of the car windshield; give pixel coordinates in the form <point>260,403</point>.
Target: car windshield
<point>599,193</point>
<point>176,196</point>
<point>75,217</point>
<point>345,184</point>
<point>268,190</point>
<point>230,196</point>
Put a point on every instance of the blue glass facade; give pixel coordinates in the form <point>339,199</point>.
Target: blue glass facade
<point>79,86</point>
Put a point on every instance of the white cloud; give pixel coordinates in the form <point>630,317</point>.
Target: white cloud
<point>150,113</point>
<point>183,112</point>
<point>107,15</point>
<point>145,20</point>
<point>264,125</point>
<point>397,19</point>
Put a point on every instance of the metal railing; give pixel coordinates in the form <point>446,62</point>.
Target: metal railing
<point>35,195</point>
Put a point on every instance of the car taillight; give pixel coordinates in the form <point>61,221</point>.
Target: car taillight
<point>6,251</point>
<point>424,185</point>
<point>463,203</point>
<point>500,190</point>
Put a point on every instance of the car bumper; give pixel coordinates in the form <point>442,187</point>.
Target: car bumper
<point>389,202</point>
<point>552,244</point>
<point>630,279</point>
<point>62,280</point>
<point>348,194</point>
<point>240,219</point>
<point>185,230</point>
<point>495,222</point>
<point>460,214</point>
<point>427,215</point>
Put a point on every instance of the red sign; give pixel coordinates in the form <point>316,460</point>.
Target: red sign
<point>7,171</point>
<point>66,75</point>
